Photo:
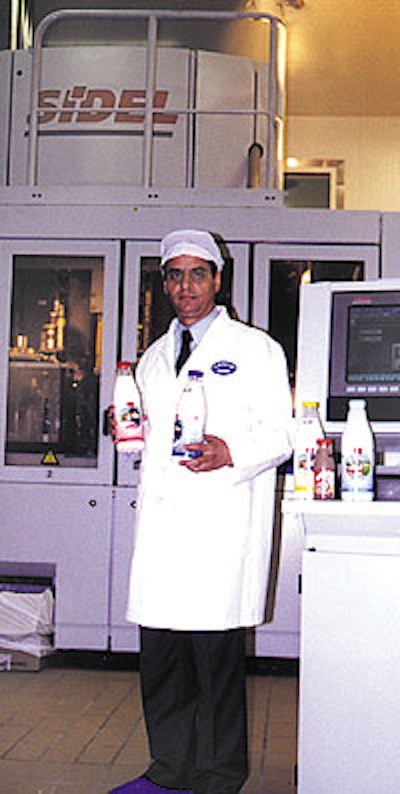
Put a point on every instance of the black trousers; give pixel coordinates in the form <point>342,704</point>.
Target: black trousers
<point>194,699</point>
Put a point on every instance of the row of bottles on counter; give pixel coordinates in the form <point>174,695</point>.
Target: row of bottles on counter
<point>128,418</point>
<point>314,464</point>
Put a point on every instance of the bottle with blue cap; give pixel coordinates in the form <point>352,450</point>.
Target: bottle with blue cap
<point>190,418</point>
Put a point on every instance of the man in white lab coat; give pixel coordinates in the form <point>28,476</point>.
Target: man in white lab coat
<point>203,537</point>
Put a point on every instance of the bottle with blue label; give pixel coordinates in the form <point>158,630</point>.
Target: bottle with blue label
<point>190,417</point>
<point>358,458</point>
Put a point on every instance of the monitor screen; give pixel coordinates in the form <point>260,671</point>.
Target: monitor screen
<point>365,353</point>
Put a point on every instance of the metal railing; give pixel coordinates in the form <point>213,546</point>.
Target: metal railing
<point>274,119</point>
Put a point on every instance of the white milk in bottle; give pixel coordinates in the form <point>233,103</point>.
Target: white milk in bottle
<point>309,430</point>
<point>190,417</point>
<point>128,421</point>
<point>357,466</point>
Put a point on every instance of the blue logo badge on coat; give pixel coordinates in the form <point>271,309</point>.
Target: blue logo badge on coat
<point>224,368</point>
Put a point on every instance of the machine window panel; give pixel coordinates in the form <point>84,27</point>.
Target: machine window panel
<point>307,190</point>
<point>286,277</point>
<point>54,360</point>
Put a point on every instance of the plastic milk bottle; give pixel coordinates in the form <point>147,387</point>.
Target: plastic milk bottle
<point>324,470</point>
<point>128,428</point>
<point>305,449</point>
<point>190,417</point>
<point>357,468</point>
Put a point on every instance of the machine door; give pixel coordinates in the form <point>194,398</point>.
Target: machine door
<point>58,332</point>
<point>280,269</point>
<point>147,312</point>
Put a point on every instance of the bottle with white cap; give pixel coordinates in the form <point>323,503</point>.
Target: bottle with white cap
<point>309,430</point>
<point>127,414</point>
<point>190,417</point>
<point>358,458</point>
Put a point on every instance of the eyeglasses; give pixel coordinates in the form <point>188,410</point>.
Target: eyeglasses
<point>197,275</point>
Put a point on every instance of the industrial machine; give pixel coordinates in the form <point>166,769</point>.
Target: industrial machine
<point>81,288</point>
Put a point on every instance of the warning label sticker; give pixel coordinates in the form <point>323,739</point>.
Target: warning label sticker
<point>49,458</point>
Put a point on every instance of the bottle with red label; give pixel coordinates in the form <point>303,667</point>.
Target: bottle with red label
<point>324,470</point>
<point>128,423</point>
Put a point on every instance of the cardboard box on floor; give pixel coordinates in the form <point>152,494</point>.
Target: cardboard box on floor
<point>26,626</point>
<point>24,662</point>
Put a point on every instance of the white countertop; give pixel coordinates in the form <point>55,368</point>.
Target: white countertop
<point>359,527</point>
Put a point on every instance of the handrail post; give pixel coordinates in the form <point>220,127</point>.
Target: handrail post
<point>33,118</point>
<point>272,97</point>
<point>151,66</point>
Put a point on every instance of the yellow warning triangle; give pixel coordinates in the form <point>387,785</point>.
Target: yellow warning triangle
<point>50,458</point>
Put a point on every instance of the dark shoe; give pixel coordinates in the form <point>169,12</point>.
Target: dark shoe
<point>142,785</point>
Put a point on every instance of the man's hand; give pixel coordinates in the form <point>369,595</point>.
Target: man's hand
<point>214,455</point>
<point>110,422</point>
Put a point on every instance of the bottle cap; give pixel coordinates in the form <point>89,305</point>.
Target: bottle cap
<point>123,364</point>
<point>310,404</point>
<point>356,403</point>
<point>324,442</point>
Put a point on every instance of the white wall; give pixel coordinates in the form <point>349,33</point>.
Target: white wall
<point>369,146</point>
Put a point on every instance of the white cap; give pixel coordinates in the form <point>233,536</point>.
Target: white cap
<point>191,242</point>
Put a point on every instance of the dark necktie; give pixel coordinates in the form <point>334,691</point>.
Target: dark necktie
<point>184,352</point>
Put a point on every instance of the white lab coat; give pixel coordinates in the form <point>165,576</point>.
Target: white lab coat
<point>202,541</point>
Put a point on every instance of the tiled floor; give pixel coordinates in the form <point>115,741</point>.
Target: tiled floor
<point>80,731</point>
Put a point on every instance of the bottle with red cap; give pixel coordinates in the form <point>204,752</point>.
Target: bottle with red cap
<point>324,470</point>
<point>127,411</point>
